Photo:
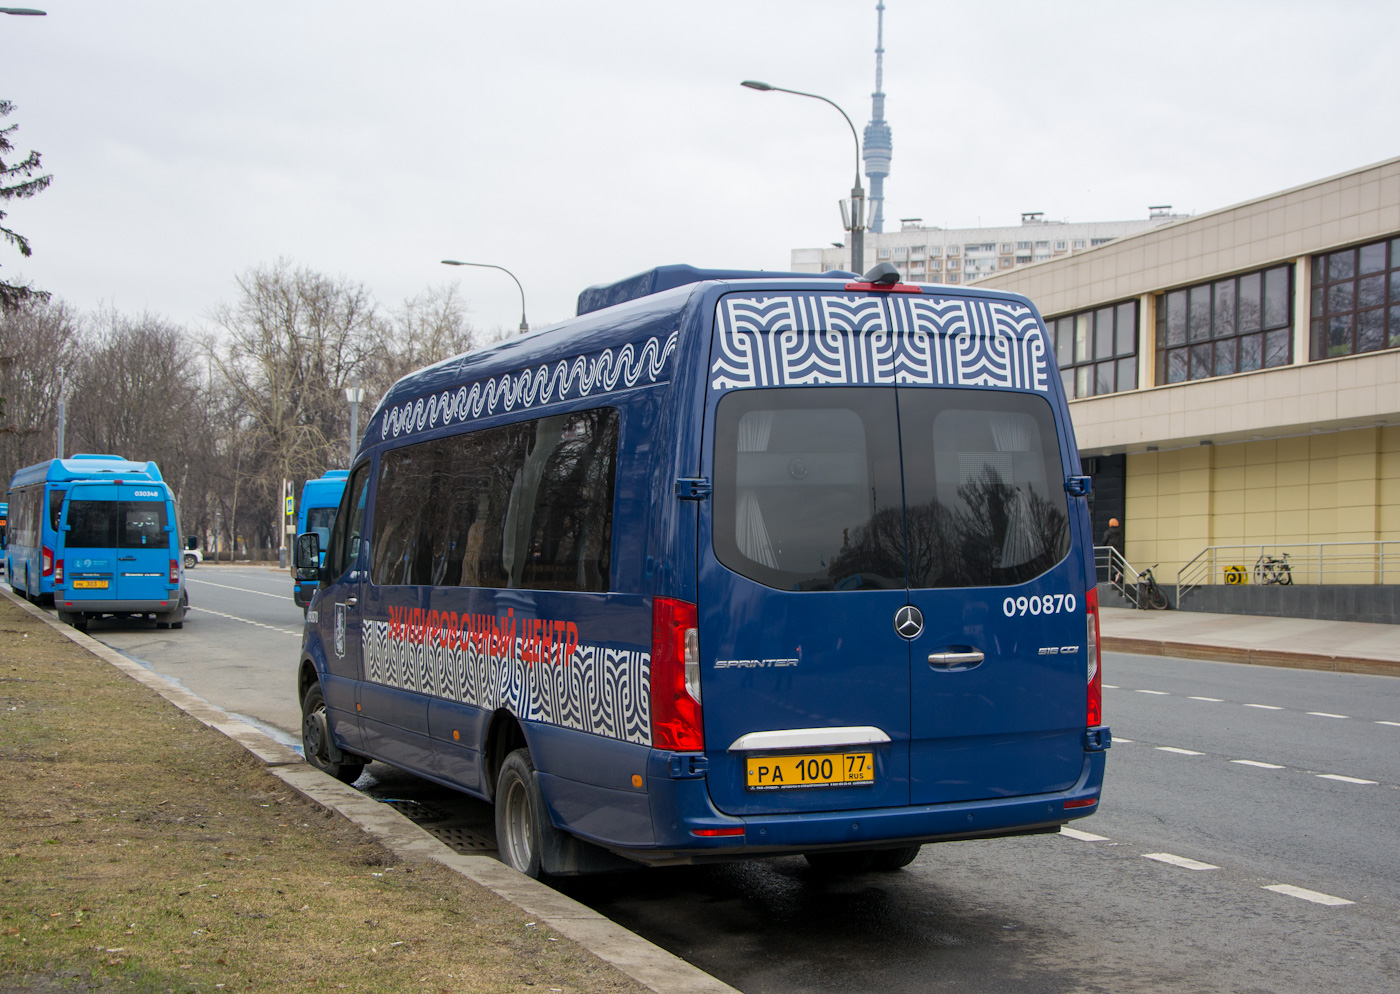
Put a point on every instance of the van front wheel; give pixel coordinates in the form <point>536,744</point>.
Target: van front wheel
<point>521,820</point>
<point>316,742</point>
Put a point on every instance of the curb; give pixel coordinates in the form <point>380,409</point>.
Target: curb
<point>1254,657</point>
<point>644,962</point>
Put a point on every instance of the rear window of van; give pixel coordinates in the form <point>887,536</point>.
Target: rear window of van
<point>849,488</point>
<point>116,524</point>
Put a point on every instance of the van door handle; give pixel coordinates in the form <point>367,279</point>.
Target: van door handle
<point>126,559</point>
<point>971,658</point>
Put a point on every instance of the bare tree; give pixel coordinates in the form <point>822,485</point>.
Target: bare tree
<point>39,346</point>
<point>426,329</point>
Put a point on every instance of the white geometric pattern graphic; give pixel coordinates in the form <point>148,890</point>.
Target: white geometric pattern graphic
<point>813,339</point>
<point>596,689</point>
<point>581,376</point>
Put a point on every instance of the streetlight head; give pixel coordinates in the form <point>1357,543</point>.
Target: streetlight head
<point>452,262</point>
<point>754,84</point>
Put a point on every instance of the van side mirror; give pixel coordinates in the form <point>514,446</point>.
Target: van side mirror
<point>308,556</point>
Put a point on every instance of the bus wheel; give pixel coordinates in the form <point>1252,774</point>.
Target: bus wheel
<point>316,742</point>
<point>521,820</point>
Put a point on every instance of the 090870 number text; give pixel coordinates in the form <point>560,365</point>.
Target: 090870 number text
<point>1044,604</point>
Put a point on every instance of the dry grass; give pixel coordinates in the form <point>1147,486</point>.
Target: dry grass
<point>140,850</point>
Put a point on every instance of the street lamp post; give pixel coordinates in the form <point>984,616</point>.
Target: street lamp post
<point>486,265</point>
<point>354,395</point>
<point>852,213</point>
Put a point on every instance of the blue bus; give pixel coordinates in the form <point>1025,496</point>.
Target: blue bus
<point>316,513</point>
<point>733,564</point>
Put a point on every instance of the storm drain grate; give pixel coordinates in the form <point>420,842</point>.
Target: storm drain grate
<point>415,810</point>
<point>462,840</point>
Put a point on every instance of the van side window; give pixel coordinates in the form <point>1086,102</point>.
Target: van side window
<point>523,505</point>
<point>984,487</point>
<point>807,488</point>
<point>343,548</point>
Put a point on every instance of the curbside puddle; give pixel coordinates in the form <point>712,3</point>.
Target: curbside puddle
<point>628,952</point>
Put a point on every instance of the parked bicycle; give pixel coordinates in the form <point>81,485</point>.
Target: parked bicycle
<point>1273,569</point>
<point>1149,595</point>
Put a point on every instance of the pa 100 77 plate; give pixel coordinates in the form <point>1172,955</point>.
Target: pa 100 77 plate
<point>839,769</point>
<point>89,584</point>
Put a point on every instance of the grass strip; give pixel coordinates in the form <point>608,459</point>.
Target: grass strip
<point>143,851</point>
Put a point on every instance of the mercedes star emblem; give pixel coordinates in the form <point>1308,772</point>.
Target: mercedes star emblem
<point>909,621</point>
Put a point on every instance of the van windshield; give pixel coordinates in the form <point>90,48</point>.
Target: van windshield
<point>116,524</point>
<point>848,488</point>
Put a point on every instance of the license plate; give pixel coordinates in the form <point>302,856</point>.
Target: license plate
<point>89,584</point>
<point>843,769</point>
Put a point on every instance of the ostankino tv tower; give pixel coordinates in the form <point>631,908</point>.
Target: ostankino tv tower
<point>878,146</point>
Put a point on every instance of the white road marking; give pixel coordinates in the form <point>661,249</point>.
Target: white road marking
<point>1308,895</point>
<point>1213,700</point>
<point>1181,861</point>
<point>1255,762</point>
<point>1119,738</point>
<point>1179,752</point>
<point>1338,776</point>
<point>1159,693</point>
<point>242,590</point>
<point>1110,686</point>
<point>1266,707</point>
<point>246,621</point>
<point>1328,714</point>
<point>1075,833</point>
<point>1394,724</point>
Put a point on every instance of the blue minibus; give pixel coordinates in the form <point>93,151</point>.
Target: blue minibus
<point>316,512</point>
<point>732,564</point>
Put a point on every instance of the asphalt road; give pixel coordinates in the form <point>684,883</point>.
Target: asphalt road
<point>1243,806</point>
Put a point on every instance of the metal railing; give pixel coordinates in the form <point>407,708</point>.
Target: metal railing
<point>1120,574</point>
<point>1363,563</point>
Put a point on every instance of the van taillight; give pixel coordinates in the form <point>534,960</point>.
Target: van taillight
<point>174,571</point>
<point>675,677</point>
<point>58,571</point>
<point>1095,709</point>
<point>46,561</point>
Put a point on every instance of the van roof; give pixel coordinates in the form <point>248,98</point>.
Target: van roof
<point>86,466</point>
<point>668,277</point>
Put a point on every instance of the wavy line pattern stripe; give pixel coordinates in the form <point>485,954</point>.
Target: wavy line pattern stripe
<point>579,376</point>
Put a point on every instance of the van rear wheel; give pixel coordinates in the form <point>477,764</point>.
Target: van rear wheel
<point>522,824</point>
<point>861,860</point>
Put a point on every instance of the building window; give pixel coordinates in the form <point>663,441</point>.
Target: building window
<point>953,250</point>
<point>1060,246</point>
<point>1006,262</point>
<point>1229,326</point>
<point>883,255</point>
<point>934,265</point>
<point>1100,241</point>
<point>1023,246</point>
<point>916,252</point>
<point>1021,260</point>
<point>1097,350</point>
<point>952,277</point>
<point>1356,300</point>
<point>1079,243</point>
<point>1007,248</point>
<point>935,250</point>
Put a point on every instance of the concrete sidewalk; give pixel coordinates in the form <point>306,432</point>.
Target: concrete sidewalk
<point>1303,643</point>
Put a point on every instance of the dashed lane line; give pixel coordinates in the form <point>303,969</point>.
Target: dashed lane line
<point>1328,714</point>
<point>1075,833</point>
<point>241,590</point>
<point>246,621</point>
<point>1265,707</point>
<point>1393,724</point>
<point>1308,895</point>
<point>1255,762</point>
<point>1342,779</point>
<point>1186,863</point>
<point>1179,752</point>
<point>1262,707</point>
<point>1181,861</point>
<point>1213,700</point>
<point>1159,693</point>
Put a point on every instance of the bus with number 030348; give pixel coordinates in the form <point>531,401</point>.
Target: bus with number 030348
<point>732,564</point>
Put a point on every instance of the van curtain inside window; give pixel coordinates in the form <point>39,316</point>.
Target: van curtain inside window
<point>849,488</point>
<point>522,505</point>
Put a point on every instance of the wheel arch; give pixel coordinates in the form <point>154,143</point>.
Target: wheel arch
<point>504,734</point>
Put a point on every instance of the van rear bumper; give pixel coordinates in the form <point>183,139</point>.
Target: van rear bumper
<point>116,606</point>
<point>868,828</point>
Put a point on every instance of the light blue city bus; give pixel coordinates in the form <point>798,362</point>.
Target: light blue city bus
<point>96,535</point>
<point>319,500</point>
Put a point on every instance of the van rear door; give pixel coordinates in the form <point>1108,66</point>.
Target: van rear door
<point>998,671</point>
<point>117,546</point>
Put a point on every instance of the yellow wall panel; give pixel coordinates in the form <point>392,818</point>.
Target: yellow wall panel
<point>1290,473</point>
<point>1291,498</point>
<point>1264,453</point>
<point>1260,500</point>
<point>1228,502</point>
<point>1228,477</point>
<point>1293,449</point>
<point>1260,475</point>
<point>1356,467</point>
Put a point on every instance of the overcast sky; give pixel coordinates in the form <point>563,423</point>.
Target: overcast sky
<point>580,142</point>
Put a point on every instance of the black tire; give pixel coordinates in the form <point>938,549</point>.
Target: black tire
<point>191,562</point>
<point>1285,576</point>
<point>522,824</point>
<point>894,859</point>
<point>1156,599</point>
<point>842,861</point>
<point>80,623</point>
<point>315,733</point>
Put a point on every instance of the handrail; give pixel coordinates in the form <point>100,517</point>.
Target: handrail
<point>1369,563</point>
<point>1112,568</point>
